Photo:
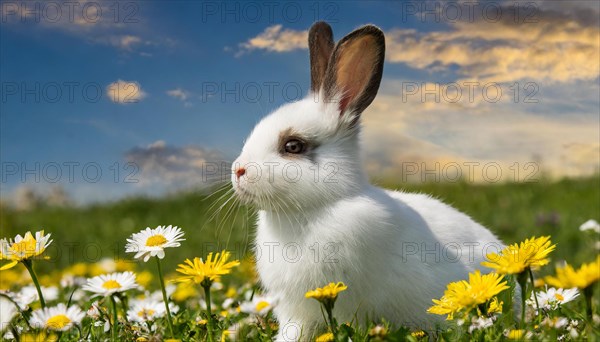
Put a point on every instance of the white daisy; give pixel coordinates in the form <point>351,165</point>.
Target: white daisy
<point>590,225</point>
<point>157,295</point>
<point>555,322</point>
<point>148,310</point>
<point>22,248</point>
<point>58,317</point>
<point>152,242</point>
<point>23,298</point>
<point>259,305</point>
<point>107,264</point>
<point>94,310</point>
<point>8,310</point>
<point>227,303</point>
<point>108,284</point>
<point>480,323</point>
<point>552,298</point>
<point>572,329</point>
<point>28,294</point>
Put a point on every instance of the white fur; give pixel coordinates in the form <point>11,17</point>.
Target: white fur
<point>395,251</point>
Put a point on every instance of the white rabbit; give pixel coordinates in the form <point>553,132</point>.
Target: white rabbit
<point>320,220</point>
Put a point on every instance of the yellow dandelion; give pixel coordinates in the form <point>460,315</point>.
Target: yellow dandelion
<point>567,277</point>
<point>184,291</point>
<point>23,248</point>
<point>79,269</point>
<point>248,270</point>
<point>211,270</point>
<point>539,282</point>
<point>515,334</point>
<point>327,292</point>
<point>124,265</point>
<point>445,305</point>
<point>9,278</point>
<point>516,258</point>
<point>144,278</point>
<point>39,337</point>
<point>231,292</point>
<point>466,295</point>
<point>495,306</point>
<point>327,337</point>
<point>418,333</point>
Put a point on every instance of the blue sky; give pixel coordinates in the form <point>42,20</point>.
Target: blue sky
<point>177,59</point>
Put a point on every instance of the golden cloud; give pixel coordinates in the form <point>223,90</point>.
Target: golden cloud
<point>557,47</point>
<point>410,139</point>
<point>276,39</point>
<point>125,92</point>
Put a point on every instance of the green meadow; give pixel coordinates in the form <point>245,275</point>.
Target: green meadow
<point>514,211</point>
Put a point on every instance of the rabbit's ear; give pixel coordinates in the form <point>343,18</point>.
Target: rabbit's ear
<point>355,68</point>
<point>320,46</point>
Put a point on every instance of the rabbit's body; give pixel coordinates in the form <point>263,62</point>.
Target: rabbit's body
<point>395,251</point>
<point>321,221</point>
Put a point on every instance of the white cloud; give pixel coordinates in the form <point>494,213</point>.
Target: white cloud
<point>561,141</point>
<point>173,167</point>
<point>179,94</point>
<point>276,39</point>
<point>125,92</point>
<point>96,22</point>
<point>126,42</point>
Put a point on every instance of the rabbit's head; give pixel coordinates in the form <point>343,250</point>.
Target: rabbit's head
<point>306,153</point>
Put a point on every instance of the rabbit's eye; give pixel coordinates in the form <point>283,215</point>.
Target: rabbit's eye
<point>294,146</point>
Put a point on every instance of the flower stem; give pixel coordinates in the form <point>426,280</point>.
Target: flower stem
<point>209,311</point>
<point>537,305</point>
<point>522,280</point>
<point>587,292</point>
<point>165,299</point>
<point>268,325</point>
<point>29,266</point>
<point>115,319</point>
<point>329,310</point>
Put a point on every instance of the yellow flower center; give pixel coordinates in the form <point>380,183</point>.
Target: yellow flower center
<point>559,296</point>
<point>24,248</point>
<point>146,312</point>
<point>261,305</point>
<point>156,240</point>
<point>57,322</point>
<point>111,284</point>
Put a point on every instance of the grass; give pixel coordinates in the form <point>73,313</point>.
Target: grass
<point>513,211</point>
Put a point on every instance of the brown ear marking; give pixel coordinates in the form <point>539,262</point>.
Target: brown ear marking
<point>320,45</point>
<point>355,69</point>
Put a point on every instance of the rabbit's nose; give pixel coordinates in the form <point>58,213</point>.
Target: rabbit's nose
<point>240,172</point>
